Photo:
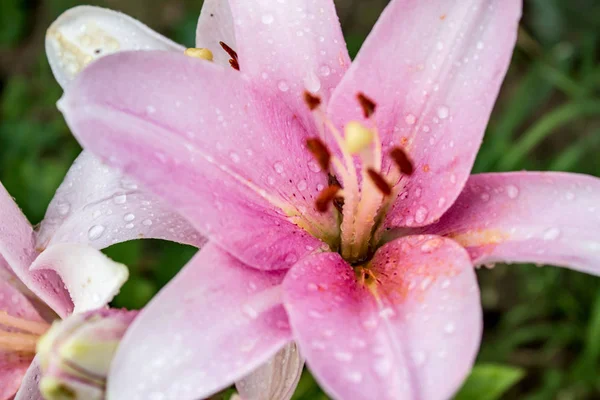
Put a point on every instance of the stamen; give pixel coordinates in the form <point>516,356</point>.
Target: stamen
<point>312,101</point>
<point>234,57</point>
<point>326,197</point>
<point>320,152</point>
<point>201,53</point>
<point>367,105</point>
<point>402,161</point>
<point>358,137</point>
<point>18,342</point>
<point>33,327</point>
<point>380,182</point>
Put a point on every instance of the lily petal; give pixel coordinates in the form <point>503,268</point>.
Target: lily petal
<point>97,205</point>
<point>29,389</point>
<point>91,278</point>
<point>410,329</point>
<point>289,47</point>
<point>85,33</point>
<point>17,250</point>
<point>199,137</point>
<point>434,68</point>
<point>275,380</point>
<point>213,324</point>
<point>540,217</point>
<point>215,25</point>
<point>10,377</point>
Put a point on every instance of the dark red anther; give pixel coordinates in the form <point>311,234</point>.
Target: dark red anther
<point>326,197</point>
<point>320,152</point>
<point>380,182</point>
<point>234,57</point>
<point>367,104</point>
<point>312,101</point>
<point>402,161</point>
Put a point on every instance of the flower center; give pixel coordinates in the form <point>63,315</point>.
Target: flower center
<point>19,337</point>
<point>365,193</point>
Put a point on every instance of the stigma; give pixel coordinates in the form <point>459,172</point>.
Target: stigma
<point>18,336</point>
<point>366,191</point>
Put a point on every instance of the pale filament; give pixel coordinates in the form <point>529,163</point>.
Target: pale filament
<point>23,335</point>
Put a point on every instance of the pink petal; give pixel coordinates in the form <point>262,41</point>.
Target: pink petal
<point>10,379</point>
<point>29,389</point>
<point>213,324</point>
<point>91,278</point>
<point>413,334</point>
<point>216,25</point>
<point>196,135</point>
<point>434,69</point>
<point>538,217</point>
<point>85,33</point>
<point>277,379</point>
<point>289,47</point>
<point>17,250</point>
<point>99,206</point>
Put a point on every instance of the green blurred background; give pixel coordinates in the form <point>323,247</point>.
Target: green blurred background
<point>542,325</point>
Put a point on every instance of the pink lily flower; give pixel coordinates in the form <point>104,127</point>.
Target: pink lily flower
<point>57,269</point>
<point>358,247</point>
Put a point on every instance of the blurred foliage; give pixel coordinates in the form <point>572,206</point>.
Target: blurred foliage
<point>542,325</point>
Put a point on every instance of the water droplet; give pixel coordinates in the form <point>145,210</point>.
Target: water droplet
<point>485,197</point>
<point>552,234</point>
<point>479,45</point>
<point>439,46</point>
<point>354,377</point>
<point>425,283</point>
<point>302,185</point>
<point>449,328</point>
<point>443,112</point>
<point>129,226</point>
<point>278,167</point>
<point>283,86</point>
<point>250,312</point>
<point>325,70</point>
<point>570,196</point>
<point>387,313</point>
<point>267,19</point>
<point>343,356</point>
<point>410,119</point>
<point>129,217</point>
<point>512,191</point>
<point>421,215</point>
<point>291,258</point>
<point>419,357</point>
<point>120,198</point>
<point>150,109</point>
<point>315,314</point>
<point>63,208</point>
<point>147,222</point>
<point>235,157</point>
<point>96,232</point>
<point>431,245</point>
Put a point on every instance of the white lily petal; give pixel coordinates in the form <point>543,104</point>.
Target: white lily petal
<point>91,278</point>
<point>84,33</point>
<point>216,25</point>
<point>275,380</point>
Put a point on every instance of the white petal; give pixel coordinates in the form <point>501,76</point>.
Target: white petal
<point>216,25</point>
<point>91,278</point>
<point>82,34</point>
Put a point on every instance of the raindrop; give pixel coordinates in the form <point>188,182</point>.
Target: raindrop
<point>302,185</point>
<point>421,215</point>
<point>96,232</point>
<point>443,112</point>
<point>120,198</point>
<point>325,70</point>
<point>129,217</point>
<point>283,86</point>
<point>485,197</point>
<point>147,222</point>
<point>63,208</point>
<point>449,328</point>
<point>250,312</point>
<point>512,191</point>
<point>235,157</point>
<point>267,19</point>
<point>410,119</point>
<point>354,377</point>
<point>278,167</point>
<point>552,234</point>
<point>343,356</point>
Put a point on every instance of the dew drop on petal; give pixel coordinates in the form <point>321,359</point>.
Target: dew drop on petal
<point>96,232</point>
<point>267,19</point>
<point>449,328</point>
<point>512,191</point>
<point>128,217</point>
<point>63,208</point>
<point>410,119</point>
<point>421,215</point>
<point>443,112</point>
<point>283,86</point>
<point>120,198</point>
<point>552,234</point>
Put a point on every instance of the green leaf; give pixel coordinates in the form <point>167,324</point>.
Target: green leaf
<point>489,382</point>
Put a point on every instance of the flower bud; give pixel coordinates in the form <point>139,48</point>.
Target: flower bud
<point>75,354</point>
